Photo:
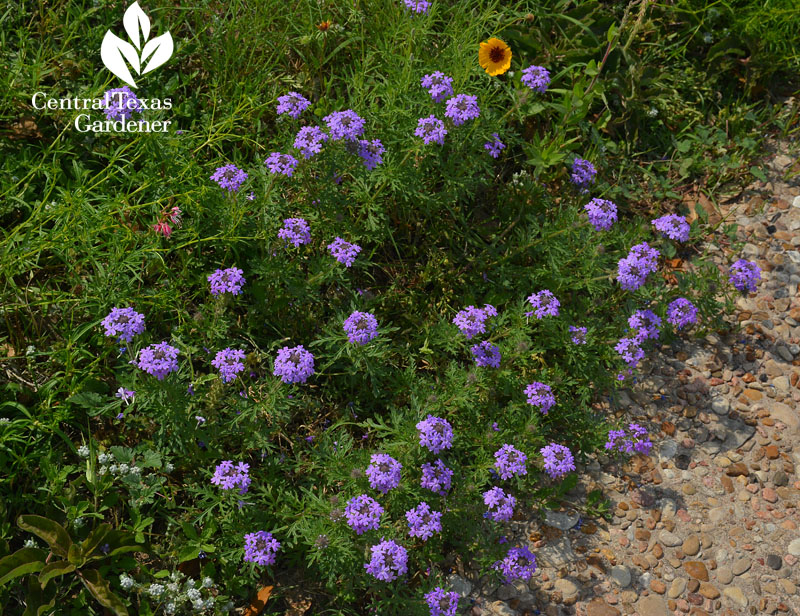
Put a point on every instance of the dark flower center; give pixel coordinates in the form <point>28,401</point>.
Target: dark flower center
<point>497,54</point>
<point>384,468</point>
<point>123,318</point>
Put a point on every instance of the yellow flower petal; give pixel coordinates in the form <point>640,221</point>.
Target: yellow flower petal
<point>494,56</point>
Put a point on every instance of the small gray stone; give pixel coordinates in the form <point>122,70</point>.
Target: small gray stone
<point>667,449</point>
<point>506,592</point>
<point>720,406</point>
<point>500,608</point>
<point>669,539</point>
<point>780,479</point>
<point>796,202</point>
<point>460,585</point>
<point>567,588</point>
<point>621,576</point>
<point>556,554</point>
<point>724,575</point>
<point>794,547</point>
<point>774,561</point>
<point>740,566</point>
<point>785,353</point>
<point>561,521</point>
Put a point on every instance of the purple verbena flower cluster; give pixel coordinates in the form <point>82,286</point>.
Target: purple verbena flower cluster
<point>633,270</point>
<point>461,108</point>
<point>602,213</point>
<point>636,440</point>
<point>227,476</point>
<point>229,177</point>
<point>672,226</point>
<point>472,321</point>
<point>121,104</point>
<point>681,312</point>
<point>431,130</point>
<point>371,152</point>
<point>501,505</point>
<point>361,327</point>
<point>363,513</point>
<point>510,461</point>
<point>229,362</point>
<point>630,351</point>
<point>578,334</point>
<point>744,275</point>
<point>423,522</point>
<point>294,365</point>
<point>296,231</point>
<point>159,360</point>
<point>540,395</point>
<point>345,125</point>
<point>343,251</point>
<point>126,395</point>
<point>583,173</point>
<point>418,6</point>
<point>123,322</point>
<point>537,78</point>
<point>260,548</point>
<point>486,354</point>
<point>389,561</point>
<point>292,104</point>
<point>435,433</point>
<point>228,280</point>
<point>309,141</point>
<point>647,325</point>
<point>544,303</point>
<point>495,146</point>
<point>442,602</point>
<point>436,477</point>
<point>558,460</point>
<point>283,164</point>
<point>383,472</point>
<point>439,86</point>
<point>519,564</point>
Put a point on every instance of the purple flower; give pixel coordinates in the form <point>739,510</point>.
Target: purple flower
<point>500,504</point>
<point>361,327</point>
<point>371,152</point>
<point>540,395</point>
<point>294,365</point>
<point>681,312</point>
<point>260,548</point>
<point>383,472</point>
<point>672,226</point>
<point>389,561</point>
<point>127,395</point>
<point>583,173</point>
<point>435,433</point>
<point>537,78</point>
<point>226,281</point>
<point>647,325</point>
<point>345,252</point>
<point>251,196</point>
<point>461,108</point>
<point>363,513</point>
<point>471,320</point>
<point>229,177</point>
<point>630,351</point>
<point>494,146</point>
<point>632,271</point>
<point>602,213</point>
<point>229,362</point>
<point>436,477</point>
<point>578,334</point>
<point>281,163</point>
<point>309,141</point>
<point>558,460</point>
<point>510,462</point>
<point>519,564</point>
<point>296,231</point>
<point>159,360</point>
<point>486,354</point>
<point>123,322</point>
<point>431,130</point>
<point>423,522</point>
<point>495,427</point>
<point>545,304</point>
<point>418,6</point>
<point>442,602</point>
<point>344,125</point>
<point>227,476</point>
<point>121,103</point>
<point>439,86</point>
<point>293,104</point>
<point>744,275</point>
<point>637,440</point>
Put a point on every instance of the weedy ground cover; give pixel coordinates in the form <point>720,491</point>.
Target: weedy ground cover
<point>348,315</point>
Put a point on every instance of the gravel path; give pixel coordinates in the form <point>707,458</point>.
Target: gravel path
<point>708,524</point>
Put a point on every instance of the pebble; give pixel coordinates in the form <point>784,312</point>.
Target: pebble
<point>736,595</point>
<point>774,561</point>
<point>676,588</point>
<point>598,607</point>
<point>794,547</point>
<point>568,589</point>
<point>696,569</point>
<point>724,575</point>
<point>740,566</point>
<point>670,539</point>
<point>652,606</point>
<point>621,576</point>
<point>691,545</point>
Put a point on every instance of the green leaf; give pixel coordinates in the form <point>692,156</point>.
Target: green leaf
<point>102,592</point>
<point>612,32</point>
<point>49,530</point>
<point>75,555</point>
<point>55,569</point>
<point>95,539</point>
<point>161,574</point>
<point>86,399</point>
<point>123,455</point>
<point>670,251</point>
<point>21,562</point>
<point>758,173</point>
<point>188,552</point>
<point>120,542</point>
<point>152,459</point>
<point>39,600</point>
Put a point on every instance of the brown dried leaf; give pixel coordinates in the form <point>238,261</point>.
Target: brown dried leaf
<point>259,602</point>
<point>24,128</point>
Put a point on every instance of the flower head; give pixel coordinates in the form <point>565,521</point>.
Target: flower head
<point>510,462</point>
<point>486,354</point>
<point>681,312</point>
<point>461,108</point>
<point>159,360</point>
<point>494,56</point>
<point>544,303</point>
<point>344,125</point>
<point>442,602</point>
<point>229,362</point>
<point>672,226</point>
<point>126,395</point>
<point>383,472</point>
<point>519,564</point>
<point>228,280</point>
<point>494,146</point>
<point>472,320</point>
<point>540,395</point>
<point>602,213</point>
<point>309,141</point>
<point>292,104</point>
<point>435,433</point>
<point>229,177</point>
<point>647,325</point>
<point>121,104</point>
<point>423,522</point>
<point>578,334</point>
<point>632,271</point>
<point>436,477</point>
<point>537,78</point>
<point>371,152</point>
<point>439,86</point>
<point>744,275</point>
<point>260,548</point>
<point>123,322</point>
<point>294,365</point>
<point>361,327</point>
<point>583,173</point>
<point>635,440</point>
<point>343,251</point>
<point>227,476</point>
<point>630,351</point>
<point>500,504</point>
<point>296,231</point>
<point>431,130</point>
<point>363,513</point>
<point>558,460</point>
<point>418,6</point>
<point>283,164</point>
<point>389,561</point>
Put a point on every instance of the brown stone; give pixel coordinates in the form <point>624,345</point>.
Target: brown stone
<point>658,551</point>
<point>641,534</point>
<point>598,607</point>
<point>708,591</point>
<point>658,586</point>
<point>739,468</point>
<point>771,451</point>
<point>727,484</point>
<point>696,569</point>
<point>752,394</point>
<point>693,586</point>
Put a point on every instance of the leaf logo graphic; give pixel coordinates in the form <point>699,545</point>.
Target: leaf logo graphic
<point>114,51</point>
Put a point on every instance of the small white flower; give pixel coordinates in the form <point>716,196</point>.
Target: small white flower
<point>707,38</point>
<point>156,590</point>
<point>125,581</point>
<point>30,350</point>
<point>83,451</point>
<point>190,583</point>
<point>198,605</point>
<point>124,469</point>
<point>113,469</point>
<point>169,467</point>
<point>172,587</point>
<point>194,594</point>
<point>78,522</point>
<point>169,608</point>
<point>5,420</point>
<point>102,470</point>
<point>30,543</point>
<point>105,458</point>
<point>135,470</point>
<point>207,582</point>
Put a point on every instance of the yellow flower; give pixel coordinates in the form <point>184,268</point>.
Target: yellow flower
<point>495,56</point>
